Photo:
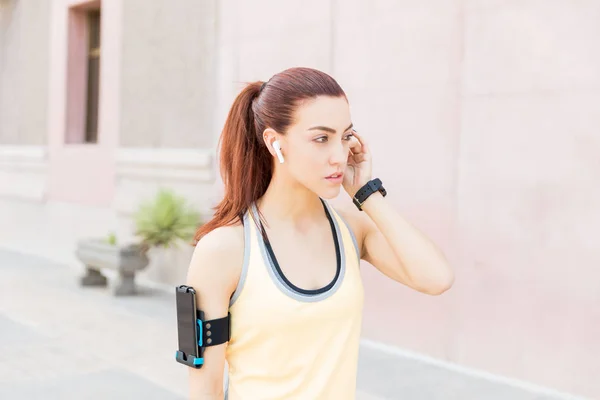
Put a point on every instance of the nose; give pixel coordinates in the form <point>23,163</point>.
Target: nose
<point>339,154</point>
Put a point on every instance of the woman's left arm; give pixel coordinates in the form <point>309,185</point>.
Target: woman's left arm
<point>388,241</point>
<point>401,251</point>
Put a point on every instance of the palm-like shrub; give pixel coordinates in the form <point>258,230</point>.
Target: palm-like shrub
<point>165,221</point>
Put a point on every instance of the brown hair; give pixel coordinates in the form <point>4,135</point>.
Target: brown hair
<point>245,162</point>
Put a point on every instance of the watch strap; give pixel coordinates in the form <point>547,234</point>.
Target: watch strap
<point>374,185</point>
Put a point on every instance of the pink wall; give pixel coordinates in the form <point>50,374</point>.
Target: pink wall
<point>483,119</point>
<point>492,149</point>
<point>486,140</point>
<point>414,135</point>
<point>82,173</point>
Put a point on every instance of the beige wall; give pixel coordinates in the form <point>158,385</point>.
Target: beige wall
<point>167,91</point>
<point>166,130</point>
<point>24,44</point>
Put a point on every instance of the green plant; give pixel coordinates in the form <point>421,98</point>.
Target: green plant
<point>166,220</point>
<point>111,239</point>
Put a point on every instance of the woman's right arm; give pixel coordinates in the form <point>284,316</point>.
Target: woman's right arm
<point>214,272</point>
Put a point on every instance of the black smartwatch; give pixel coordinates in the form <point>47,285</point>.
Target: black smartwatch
<point>374,185</point>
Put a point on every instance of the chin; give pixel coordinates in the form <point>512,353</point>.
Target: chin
<point>330,193</point>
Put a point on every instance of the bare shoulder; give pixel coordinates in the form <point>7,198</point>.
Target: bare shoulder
<point>358,222</point>
<point>217,259</point>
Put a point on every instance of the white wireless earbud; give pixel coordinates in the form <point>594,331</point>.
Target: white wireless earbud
<point>277,148</point>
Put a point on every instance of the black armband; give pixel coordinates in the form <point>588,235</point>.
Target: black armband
<point>194,332</point>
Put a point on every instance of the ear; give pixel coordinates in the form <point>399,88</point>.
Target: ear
<point>269,136</point>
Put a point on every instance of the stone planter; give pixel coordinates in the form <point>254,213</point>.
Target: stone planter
<point>97,255</point>
<point>168,265</point>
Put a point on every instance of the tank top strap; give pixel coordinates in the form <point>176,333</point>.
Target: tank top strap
<point>347,233</point>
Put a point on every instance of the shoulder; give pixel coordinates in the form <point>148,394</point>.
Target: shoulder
<point>222,239</point>
<point>356,220</point>
<point>218,257</point>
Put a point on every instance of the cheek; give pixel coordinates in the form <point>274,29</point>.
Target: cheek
<point>308,155</point>
<point>307,163</point>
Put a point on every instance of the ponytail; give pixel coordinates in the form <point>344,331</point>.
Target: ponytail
<point>245,163</point>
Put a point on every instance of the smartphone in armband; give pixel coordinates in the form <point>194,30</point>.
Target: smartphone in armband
<point>189,328</point>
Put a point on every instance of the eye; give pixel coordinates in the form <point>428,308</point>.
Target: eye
<point>321,139</point>
<point>349,136</point>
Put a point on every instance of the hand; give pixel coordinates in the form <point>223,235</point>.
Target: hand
<point>358,168</point>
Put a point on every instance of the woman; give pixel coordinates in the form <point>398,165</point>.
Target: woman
<point>281,260</point>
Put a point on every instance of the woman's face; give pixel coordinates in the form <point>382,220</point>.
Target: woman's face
<point>317,144</point>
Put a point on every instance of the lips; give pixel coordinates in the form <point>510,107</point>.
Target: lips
<point>335,176</point>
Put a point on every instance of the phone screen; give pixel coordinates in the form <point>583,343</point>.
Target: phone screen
<point>186,321</point>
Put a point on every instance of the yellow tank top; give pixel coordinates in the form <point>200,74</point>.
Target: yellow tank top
<point>288,344</point>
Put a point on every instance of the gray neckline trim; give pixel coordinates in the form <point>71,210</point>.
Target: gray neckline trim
<point>285,288</point>
<point>244,273</point>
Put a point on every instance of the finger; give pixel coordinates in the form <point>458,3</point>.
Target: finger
<point>360,158</point>
<point>361,141</point>
<point>356,145</point>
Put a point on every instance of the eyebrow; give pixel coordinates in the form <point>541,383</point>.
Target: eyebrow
<point>327,129</point>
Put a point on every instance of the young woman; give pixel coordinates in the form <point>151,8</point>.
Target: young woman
<point>282,260</point>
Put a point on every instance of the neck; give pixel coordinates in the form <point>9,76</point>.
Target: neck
<point>288,202</point>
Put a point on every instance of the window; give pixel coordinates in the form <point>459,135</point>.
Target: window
<point>83,73</point>
<point>93,77</point>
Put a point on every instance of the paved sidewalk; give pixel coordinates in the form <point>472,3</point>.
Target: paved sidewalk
<point>61,341</point>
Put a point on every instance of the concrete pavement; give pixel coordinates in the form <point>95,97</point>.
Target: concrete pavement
<point>61,341</point>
